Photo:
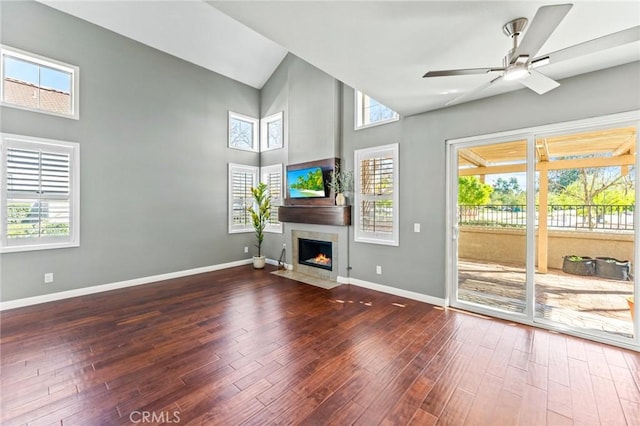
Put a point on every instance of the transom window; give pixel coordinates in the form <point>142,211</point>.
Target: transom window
<point>36,83</point>
<point>272,132</point>
<point>40,194</point>
<point>369,112</point>
<point>243,132</point>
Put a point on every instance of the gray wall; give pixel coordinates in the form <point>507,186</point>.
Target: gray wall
<point>152,134</point>
<point>153,129</point>
<point>311,101</point>
<point>418,264</point>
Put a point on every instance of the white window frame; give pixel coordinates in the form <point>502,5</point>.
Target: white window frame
<point>45,62</point>
<point>264,131</point>
<point>276,169</point>
<point>384,238</point>
<point>41,243</point>
<point>360,102</point>
<point>239,168</point>
<point>254,123</point>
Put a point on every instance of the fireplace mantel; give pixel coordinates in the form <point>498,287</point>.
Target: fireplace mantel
<point>318,215</point>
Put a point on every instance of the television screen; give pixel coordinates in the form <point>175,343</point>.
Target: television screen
<point>305,183</point>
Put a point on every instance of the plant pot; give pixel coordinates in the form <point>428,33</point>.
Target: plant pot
<point>259,262</point>
<point>579,265</point>
<point>630,303</point>
<point>608,267</point>
<point>340,199</point>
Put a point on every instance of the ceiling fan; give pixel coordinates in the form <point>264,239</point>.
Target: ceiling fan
<point>521,62</point>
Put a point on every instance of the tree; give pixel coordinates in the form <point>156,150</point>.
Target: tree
<point>507,192</point>
<point>559,180</point>
<point>596,187</point>
<point>473,192</point>
<point>602,185</point>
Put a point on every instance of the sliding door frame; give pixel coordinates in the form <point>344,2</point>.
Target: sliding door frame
<point>530,134</point>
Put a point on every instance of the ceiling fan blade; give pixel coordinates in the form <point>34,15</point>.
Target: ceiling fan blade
<point>539,83</point>
<point>620,38</point>
<point>545,21</point>
<point>469,71</point>
<point>472,92</point>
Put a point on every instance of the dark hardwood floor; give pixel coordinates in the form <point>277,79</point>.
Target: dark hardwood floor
<point>242,346</point>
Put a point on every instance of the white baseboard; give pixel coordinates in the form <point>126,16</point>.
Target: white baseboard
<point>395,291</point>
<point>275,263</point>
<point>35,300</point>
<point>19,303</point>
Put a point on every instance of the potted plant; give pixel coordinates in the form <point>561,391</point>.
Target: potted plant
<point>578,265</point>
<point>341,182</point>
<point>260,215</point>
<point>608,267</point>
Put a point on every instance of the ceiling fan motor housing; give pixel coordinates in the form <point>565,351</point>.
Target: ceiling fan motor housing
<point>513,29</point>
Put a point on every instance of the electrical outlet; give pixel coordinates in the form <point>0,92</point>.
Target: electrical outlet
<point>246,249</point>
<point>379,270</point>
<point>48,277</point>
<point>416,227</point>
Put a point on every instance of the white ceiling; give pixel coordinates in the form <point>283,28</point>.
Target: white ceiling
<point>188,29</point>
<point>380,47</point>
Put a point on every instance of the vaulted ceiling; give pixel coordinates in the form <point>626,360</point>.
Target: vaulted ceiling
<point>380,47</point>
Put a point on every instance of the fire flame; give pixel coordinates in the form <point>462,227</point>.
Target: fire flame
<point>322,259</point>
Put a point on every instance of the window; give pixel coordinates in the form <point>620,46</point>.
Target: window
<point>241,180</point>
<point>370,112</point>
<point>272,176</point>
<point>376,190</point>
<point>243,132</point>
<point>271,132</point>
<point>40,194</point>
<point>37,83</point>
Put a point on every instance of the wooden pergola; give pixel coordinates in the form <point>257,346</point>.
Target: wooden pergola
<point>601,148</point>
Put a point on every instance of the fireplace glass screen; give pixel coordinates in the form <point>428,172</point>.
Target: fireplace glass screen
<point>315,253</point>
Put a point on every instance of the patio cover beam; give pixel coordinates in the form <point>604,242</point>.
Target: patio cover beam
<point>579,163</point>
<point>543,211</point>
<point>472,158</point>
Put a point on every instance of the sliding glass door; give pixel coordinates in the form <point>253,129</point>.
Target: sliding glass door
<point>491,207</point>
<point>585,197</point>
<point>543,227</point>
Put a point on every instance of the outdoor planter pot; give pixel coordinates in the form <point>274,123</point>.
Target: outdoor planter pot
<point>579,265</point>
<point>614,269</point>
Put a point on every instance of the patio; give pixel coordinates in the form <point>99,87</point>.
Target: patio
<point>590,303</point>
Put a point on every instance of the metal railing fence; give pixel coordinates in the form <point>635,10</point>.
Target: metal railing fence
<point>576,216</point>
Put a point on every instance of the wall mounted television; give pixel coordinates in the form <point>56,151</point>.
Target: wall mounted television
<point>306,183</point>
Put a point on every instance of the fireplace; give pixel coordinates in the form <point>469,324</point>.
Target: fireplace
<point>315,253</point>
<point>307,245</point>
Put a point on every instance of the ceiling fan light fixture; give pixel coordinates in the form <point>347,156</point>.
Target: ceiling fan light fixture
<point>516,73</point>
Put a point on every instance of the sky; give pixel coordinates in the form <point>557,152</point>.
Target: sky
<point>521,177</point>
<point>27,71</point>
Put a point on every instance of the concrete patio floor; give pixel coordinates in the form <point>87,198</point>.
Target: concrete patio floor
<point>589,303</point>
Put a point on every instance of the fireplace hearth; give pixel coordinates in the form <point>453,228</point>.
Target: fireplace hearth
<point>315,253</point>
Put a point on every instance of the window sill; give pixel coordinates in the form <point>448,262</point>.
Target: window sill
<point>74,116</point>
<point>378,123</point>
<point>36,247</point>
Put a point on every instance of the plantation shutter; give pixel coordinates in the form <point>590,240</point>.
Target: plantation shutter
<point>38,199</point>
<point>272,177</point>
<point>377,195</point>
<point>241,180</point>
